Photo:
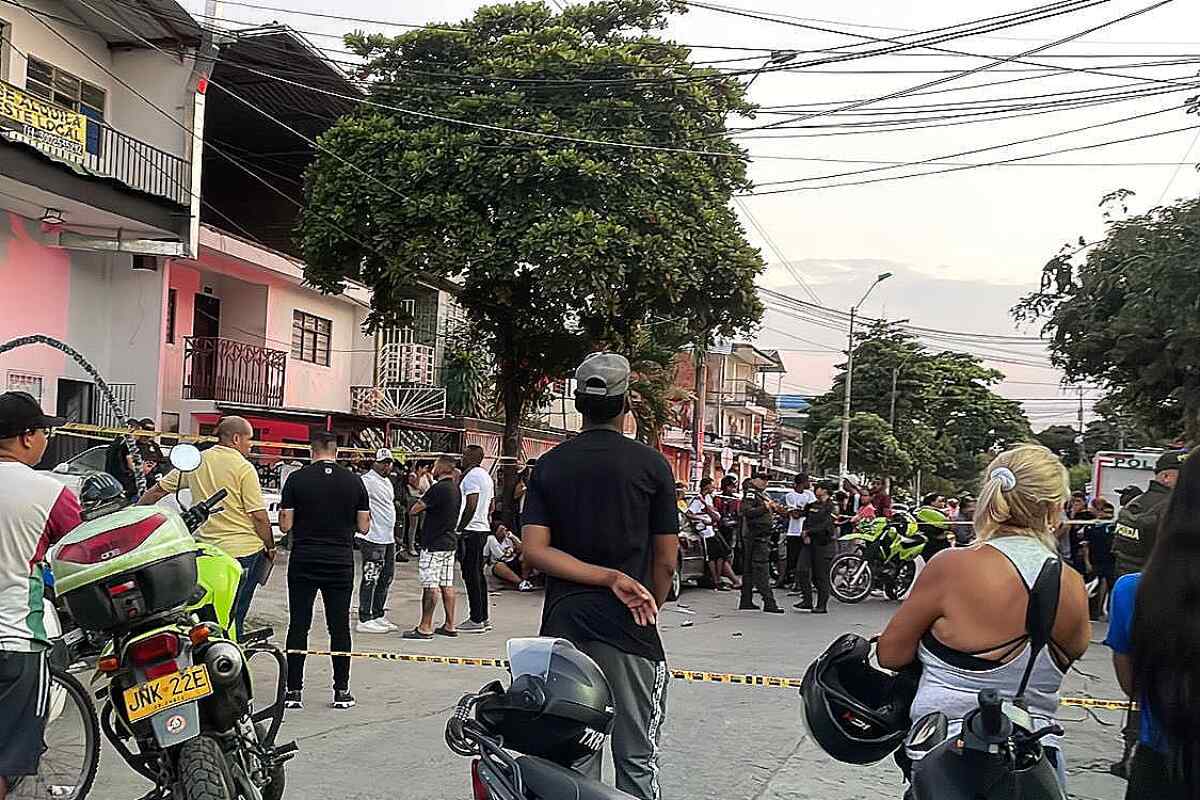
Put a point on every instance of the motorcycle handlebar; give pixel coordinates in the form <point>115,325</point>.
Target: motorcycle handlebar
<point>211,503</point>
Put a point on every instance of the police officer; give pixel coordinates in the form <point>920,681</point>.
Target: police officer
<point>758,522</point>
<point>1137,525</point>
<point>1138,521</point>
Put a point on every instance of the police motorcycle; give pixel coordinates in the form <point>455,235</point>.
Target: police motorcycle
<point>556,713</point>
<point>858,713</point>
<point>178,706</point>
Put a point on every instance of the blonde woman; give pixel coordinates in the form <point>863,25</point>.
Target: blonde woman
<point>965,620</point>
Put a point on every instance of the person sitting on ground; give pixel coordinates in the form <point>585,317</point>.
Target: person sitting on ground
<point>703,514</point>
<point>503,553</point>
<point>1154,640</point>
<point>965,647</point>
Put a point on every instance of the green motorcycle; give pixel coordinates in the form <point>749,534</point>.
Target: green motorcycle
<point>887,555</point>
<point>177,707</point>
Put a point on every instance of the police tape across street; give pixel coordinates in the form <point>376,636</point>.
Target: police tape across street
<point>687,675</point>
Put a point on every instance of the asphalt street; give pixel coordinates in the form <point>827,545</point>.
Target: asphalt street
<point>720,741</point>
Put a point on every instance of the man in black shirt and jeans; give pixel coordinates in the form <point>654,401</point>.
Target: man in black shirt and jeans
<point>600,522</point>
<point>323,506</point>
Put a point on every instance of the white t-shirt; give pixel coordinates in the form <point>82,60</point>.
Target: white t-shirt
<point>699,511</point>
<point>799,500</point>
<point>382,495</point>
<point>498,552</point>
<point>477,481</point>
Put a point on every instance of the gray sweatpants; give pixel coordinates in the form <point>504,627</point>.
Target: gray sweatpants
<point>639,688</point>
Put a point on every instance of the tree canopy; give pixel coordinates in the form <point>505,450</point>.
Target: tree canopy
<point>874,450</point>
<point>482,158</point>
<point>1123,313</point>
<point>946,412</point>
<point>1060,440</point>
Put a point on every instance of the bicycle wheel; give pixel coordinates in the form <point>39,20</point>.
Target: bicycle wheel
<point>72,755</point>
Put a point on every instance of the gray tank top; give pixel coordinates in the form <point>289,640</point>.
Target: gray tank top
<point>954,690</point>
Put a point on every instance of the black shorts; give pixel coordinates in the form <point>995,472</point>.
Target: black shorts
<point>715,549</point>
<point>24,703</point>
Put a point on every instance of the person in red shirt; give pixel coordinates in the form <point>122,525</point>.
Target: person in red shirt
<point>35,512</point>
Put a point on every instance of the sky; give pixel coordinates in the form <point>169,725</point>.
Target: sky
<point>962,246</point>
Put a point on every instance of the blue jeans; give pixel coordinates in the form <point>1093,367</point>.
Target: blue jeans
<point>246,588</point>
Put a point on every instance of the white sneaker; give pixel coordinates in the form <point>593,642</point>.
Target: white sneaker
<point>372,626</point>
<point>391,626</point>
<point>525,586</point>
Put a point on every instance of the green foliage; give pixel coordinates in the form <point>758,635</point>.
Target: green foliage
<point>467,379</point>
<point>945,409</point>
<point>1079,475</point>
<point>1060,440</point>
<point>560,247</point>
<point>874,451</point>
<point>1128,316</point>
<point>652,389</point>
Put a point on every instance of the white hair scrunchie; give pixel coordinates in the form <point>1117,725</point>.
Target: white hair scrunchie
<point>1008,481</point>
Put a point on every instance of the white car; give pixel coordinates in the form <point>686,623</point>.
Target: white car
<point>72,472</point>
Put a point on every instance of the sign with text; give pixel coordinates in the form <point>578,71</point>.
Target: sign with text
<point>34,121</point>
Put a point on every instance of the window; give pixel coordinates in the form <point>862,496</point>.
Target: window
<point>24,382</point>
<point>310,338</point>
<point>53,84</point>
<point>172,297</point>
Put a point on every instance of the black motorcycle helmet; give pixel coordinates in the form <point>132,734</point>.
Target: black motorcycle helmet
<point>100,494</point>
<point>856,712</point>
<point>558,707</point>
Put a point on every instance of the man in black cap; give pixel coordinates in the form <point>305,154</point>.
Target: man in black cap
<point>35,512</point>
<point>601,523</point>
<point>758,520</point>
<point>1137,525</point>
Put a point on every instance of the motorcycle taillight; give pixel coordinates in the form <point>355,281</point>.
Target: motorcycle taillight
<point>477,784</point>
<point>156,654</point>
<point>110,544</point>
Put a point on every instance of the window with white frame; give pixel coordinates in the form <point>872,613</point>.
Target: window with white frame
<point>26,382</point>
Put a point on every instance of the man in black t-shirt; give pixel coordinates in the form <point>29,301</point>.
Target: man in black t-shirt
<point>442,504</point>
<point>323,506</point>
<point>600,521</point>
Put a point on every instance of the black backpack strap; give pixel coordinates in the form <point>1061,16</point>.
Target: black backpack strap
<point>1043,609</point>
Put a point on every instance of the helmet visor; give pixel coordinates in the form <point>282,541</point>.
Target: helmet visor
<point>531,656</point>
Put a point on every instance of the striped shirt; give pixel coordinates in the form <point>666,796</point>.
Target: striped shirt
<point>35,512</point>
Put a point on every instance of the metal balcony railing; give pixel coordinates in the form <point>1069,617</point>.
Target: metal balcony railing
<point>139,165</point>
<point>229,371</point>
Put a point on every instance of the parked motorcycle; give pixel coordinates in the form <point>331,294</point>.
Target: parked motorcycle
<point>996,756</point>
<point>177,707</point>
<point>557,711</point>
<point>887,555</point>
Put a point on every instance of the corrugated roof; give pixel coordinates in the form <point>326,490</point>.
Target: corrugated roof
<point>163,22</point>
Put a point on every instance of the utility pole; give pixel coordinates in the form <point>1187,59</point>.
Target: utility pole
<point>698,417</point>
<point>844,459</point>
<point>892,412</point>
<point>1082,445</point>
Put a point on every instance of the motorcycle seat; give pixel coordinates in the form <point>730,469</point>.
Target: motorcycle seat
<point>545,779</point>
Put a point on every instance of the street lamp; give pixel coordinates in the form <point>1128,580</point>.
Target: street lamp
<point>776,59</point>
<point>843,461</point>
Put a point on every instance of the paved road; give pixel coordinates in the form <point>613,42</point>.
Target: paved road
<point>726,742</point>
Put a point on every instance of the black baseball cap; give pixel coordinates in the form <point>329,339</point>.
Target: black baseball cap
<point>1172,459</point>
<point>20,412</point>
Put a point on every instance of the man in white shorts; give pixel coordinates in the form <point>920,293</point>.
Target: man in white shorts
<point>441,504</point>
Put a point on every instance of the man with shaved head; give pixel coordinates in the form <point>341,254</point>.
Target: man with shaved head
<point>242,528</point>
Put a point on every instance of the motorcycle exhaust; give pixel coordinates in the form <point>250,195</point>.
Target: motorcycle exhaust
<point>225,662</point>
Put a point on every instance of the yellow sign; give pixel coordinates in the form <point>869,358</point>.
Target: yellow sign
<point>44,125</point>
<point>169,691</point>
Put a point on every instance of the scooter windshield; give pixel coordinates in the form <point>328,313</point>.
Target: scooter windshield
<point>531,655</point>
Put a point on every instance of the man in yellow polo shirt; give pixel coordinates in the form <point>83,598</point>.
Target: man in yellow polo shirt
<point>242,528</point>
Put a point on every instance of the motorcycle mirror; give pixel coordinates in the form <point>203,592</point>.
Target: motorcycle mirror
<point>929,732</point>
<point>185,457</point>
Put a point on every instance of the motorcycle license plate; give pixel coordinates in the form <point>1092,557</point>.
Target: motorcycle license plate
<point>151,697</point>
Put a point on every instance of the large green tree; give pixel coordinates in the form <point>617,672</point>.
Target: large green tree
<point>874,450</point>
<point>945,409</point>
<point>1060,440</point>
<point>1124,313</point>
<point>561,241</point>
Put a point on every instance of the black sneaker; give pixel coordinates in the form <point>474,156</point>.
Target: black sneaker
<point>820,610</point>
<point>343,699</point>
<point>747,607</point>
<point>773,610</point>
<point>293,700</point>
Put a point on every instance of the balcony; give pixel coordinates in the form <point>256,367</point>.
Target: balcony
<point>92,147</point>
<point>228,371</point>
<point>410,402</point>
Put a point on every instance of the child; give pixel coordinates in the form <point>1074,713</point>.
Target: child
<point>503,552</point>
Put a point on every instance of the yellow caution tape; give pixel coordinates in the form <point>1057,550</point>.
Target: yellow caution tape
<point>689,675</point>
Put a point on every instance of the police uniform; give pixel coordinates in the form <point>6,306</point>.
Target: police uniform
<point>1137,524</point>
<point>757,525</point>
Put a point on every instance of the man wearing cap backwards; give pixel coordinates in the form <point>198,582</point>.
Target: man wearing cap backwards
<point>600,522</point>
<point>1137,525</point>
<point>378,546</point>
<point>35,512</point>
